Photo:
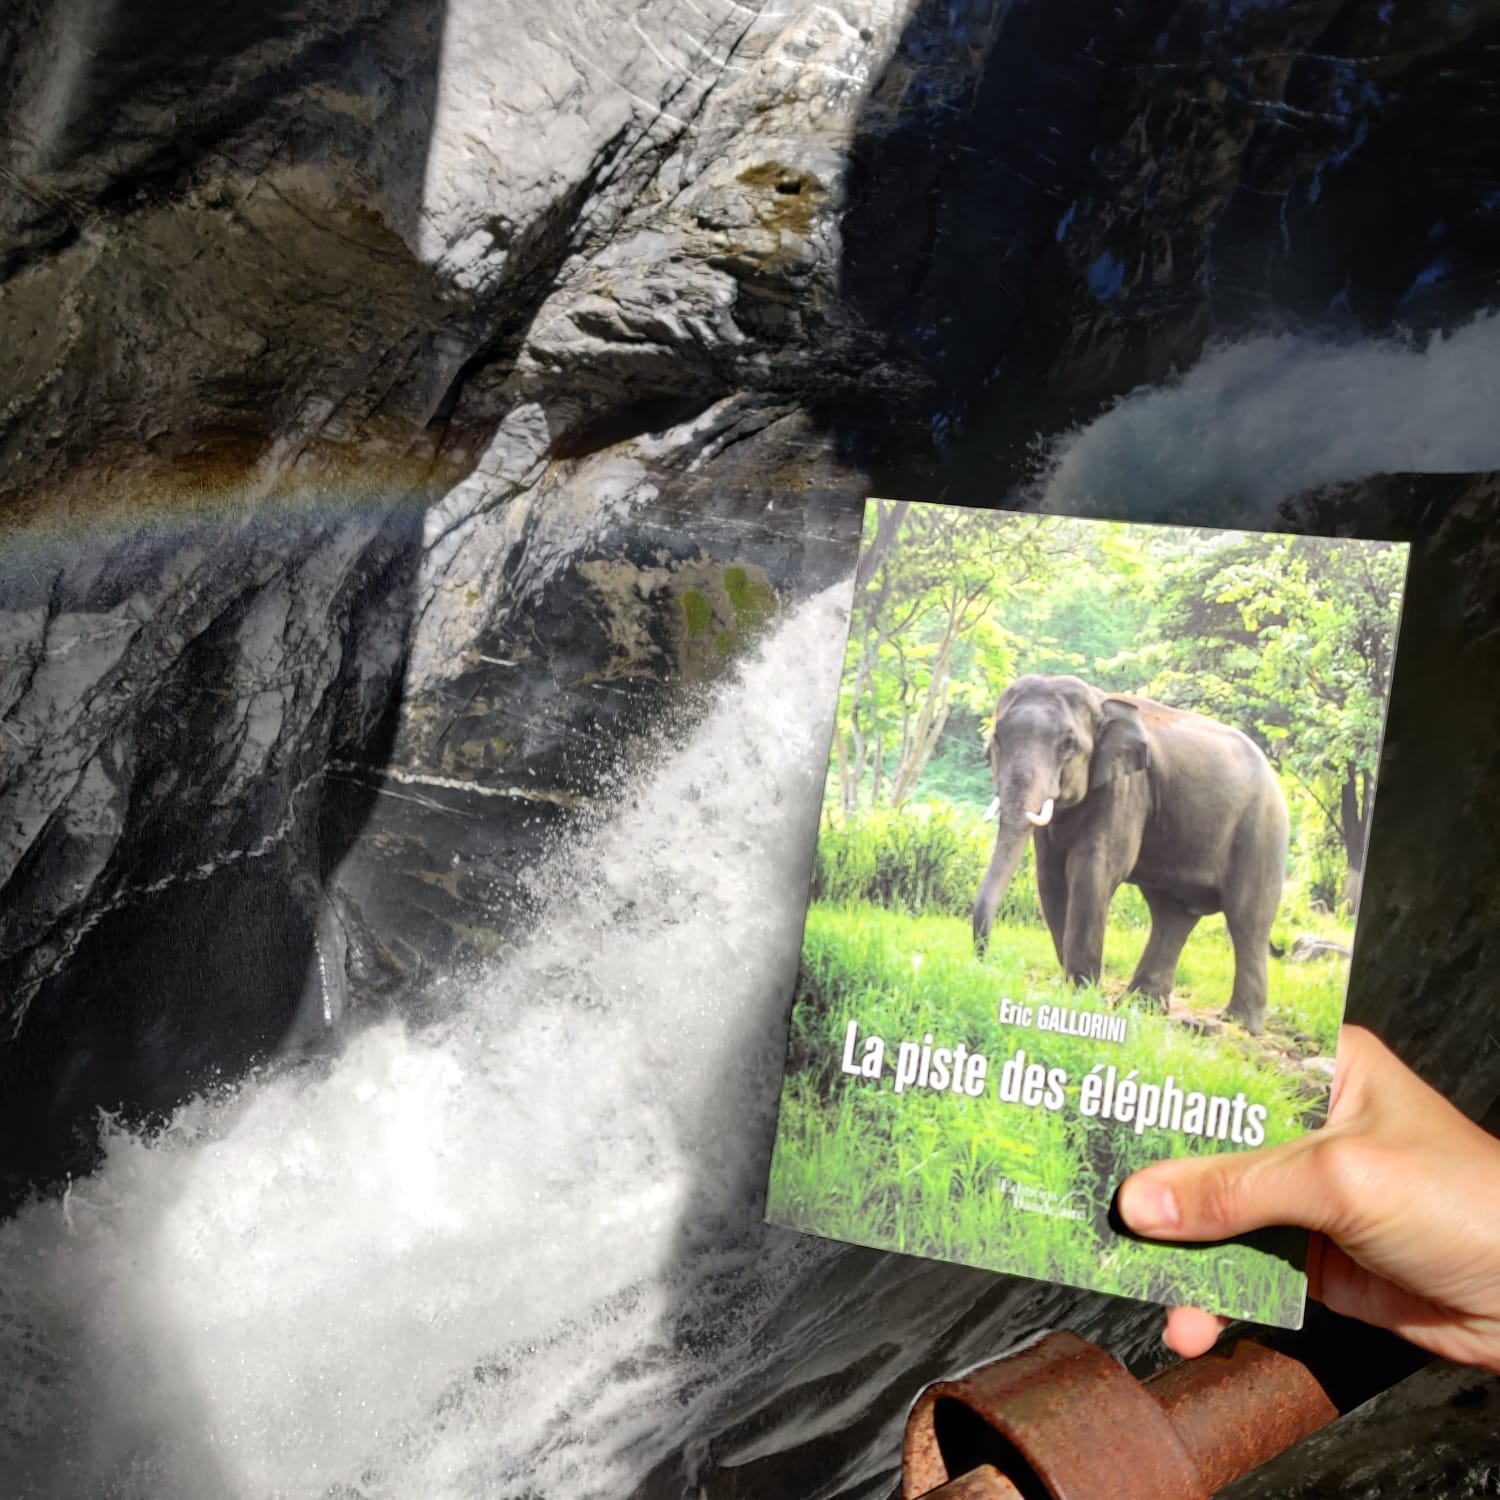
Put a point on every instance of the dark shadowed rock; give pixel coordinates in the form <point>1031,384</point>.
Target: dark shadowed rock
<point>1433,1434</point>
<point>173,703</point>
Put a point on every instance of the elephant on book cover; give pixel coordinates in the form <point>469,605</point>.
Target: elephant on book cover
<point>1114,788</point>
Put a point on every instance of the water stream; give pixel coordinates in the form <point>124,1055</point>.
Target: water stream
<point>458,1260</point>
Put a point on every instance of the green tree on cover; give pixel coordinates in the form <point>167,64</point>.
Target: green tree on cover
<point>924,637</point>
<point>1094,611</point>
<point>1291,639</point>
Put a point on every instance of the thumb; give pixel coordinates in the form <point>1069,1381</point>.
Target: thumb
<point>1215,1197</point>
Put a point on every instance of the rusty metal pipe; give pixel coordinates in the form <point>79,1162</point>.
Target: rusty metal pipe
<point>1060,1418</point>
<point>984,1483</point>
<point>1236,1408</point>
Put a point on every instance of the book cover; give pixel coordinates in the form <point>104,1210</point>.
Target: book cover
<point>1086,886</point>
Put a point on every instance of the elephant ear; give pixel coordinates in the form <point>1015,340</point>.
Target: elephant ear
<point>1120,747</point>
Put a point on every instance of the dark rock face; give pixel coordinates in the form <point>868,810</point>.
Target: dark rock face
<point>201,229</point>
<point>1433,1434</point>
<point>1195,173</point>
<point>410,412</point>
<point>173,705</point>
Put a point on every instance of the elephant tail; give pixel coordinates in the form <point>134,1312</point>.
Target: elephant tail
<point>1277,951</point>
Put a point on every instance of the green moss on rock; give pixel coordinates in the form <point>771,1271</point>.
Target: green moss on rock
<point>754,602</point>
<point>697,611</point>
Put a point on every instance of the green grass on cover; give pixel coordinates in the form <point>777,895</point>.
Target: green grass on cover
<point>922,1172</point>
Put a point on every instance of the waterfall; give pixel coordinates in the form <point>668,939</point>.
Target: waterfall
<point>456,1260</point>
<point>1255,422</point>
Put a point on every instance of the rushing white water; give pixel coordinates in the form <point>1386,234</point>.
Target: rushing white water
<point>1255,422</point>
<point>450,1263</point>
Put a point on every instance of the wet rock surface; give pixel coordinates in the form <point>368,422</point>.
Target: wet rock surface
<point>577,632</point>
<point>414,411</point>
<point>173,705</point>
<point>1435,1433</point>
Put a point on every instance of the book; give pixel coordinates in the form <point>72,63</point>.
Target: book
<point>1086,887</point>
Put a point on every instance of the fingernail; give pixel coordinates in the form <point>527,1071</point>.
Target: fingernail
<point>1148,1206</point>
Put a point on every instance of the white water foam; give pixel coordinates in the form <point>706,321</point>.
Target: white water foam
<point>1255,422</point>
<point>451,1264</point>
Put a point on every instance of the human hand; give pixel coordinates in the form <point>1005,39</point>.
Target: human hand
<point>1402,1193</point>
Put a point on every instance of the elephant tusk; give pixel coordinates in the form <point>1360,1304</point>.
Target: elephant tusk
<point>991,810</point>
<point>1043,818</point>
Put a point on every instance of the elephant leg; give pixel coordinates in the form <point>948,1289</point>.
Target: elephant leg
<point>1052,891</point>
<point>1171,923</point>
<point>1250,930</point>
<point>1090,891</point>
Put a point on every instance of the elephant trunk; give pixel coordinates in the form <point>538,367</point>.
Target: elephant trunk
<point>1010,845</point>
<point>1025,799</point>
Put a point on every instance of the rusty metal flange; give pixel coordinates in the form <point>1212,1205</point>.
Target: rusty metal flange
<point>1073,1419</point>
<point>1237,1407</point>
<point>1061,1418</point>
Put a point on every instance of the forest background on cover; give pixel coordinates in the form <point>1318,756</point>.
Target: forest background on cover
<point>1288,638</point>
